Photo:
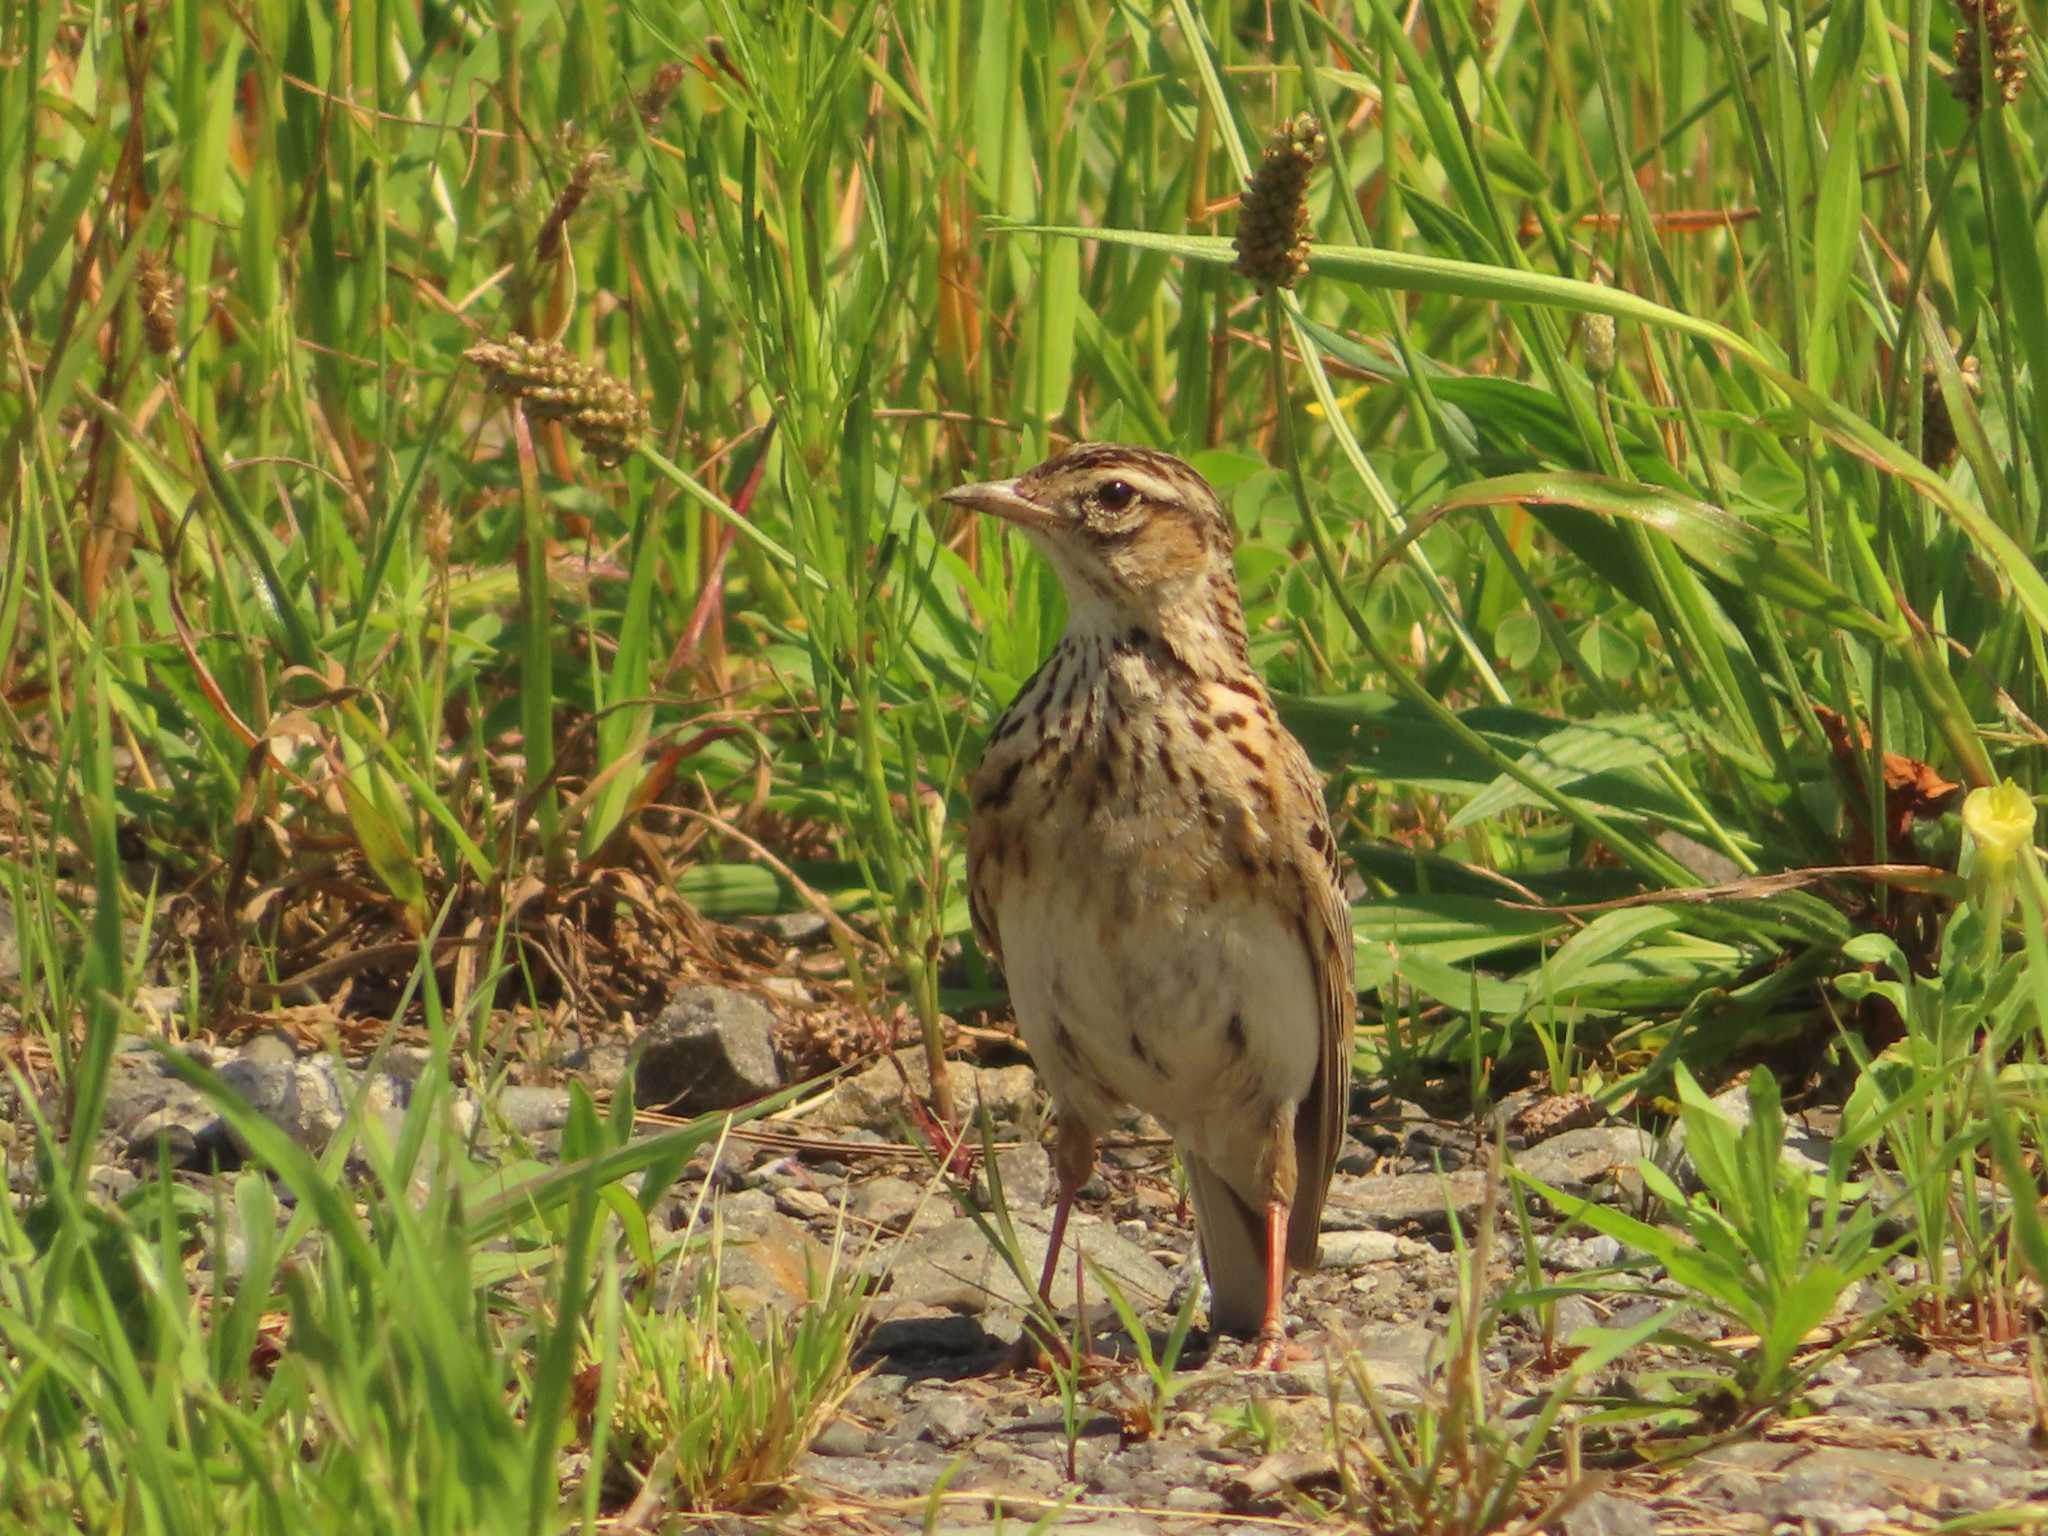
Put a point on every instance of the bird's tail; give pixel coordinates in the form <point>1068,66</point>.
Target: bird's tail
<point>1233,1249</point>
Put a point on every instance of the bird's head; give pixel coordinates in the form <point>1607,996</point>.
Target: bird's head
<point>1137,537</point>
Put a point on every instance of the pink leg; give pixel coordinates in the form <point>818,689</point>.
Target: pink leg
<point>1272,1334</point>
<point>1062,1208</point>
<point>1073,1160</point>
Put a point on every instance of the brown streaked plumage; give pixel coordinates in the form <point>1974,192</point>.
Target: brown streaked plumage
<point>1151,863</point>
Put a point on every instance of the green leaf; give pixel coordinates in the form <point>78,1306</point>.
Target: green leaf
<point>1716,540</point>
<point>2026,293</point>
<point>1837,232</point>
<point>1604,744</point>
<point>1517,639</point>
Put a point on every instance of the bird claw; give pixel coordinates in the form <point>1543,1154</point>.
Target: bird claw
<point>1268,1351</point>
<point>1035,1351</point>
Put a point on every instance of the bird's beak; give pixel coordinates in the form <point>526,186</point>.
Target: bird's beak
<point>1001,498</point>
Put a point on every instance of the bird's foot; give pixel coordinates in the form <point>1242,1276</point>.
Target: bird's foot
<point>1037,1350</point>
<point>1269,1351</point>
<point>1040,1352</point>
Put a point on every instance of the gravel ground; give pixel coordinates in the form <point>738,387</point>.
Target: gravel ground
<point>1891,1434</point>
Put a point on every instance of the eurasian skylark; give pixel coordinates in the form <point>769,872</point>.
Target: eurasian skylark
<point>1151,864</point>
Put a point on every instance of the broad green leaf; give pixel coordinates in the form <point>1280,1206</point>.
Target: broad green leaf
<point>1450,929</point>
<point>1716,540</point>
<point>1605,744</point>
<point>1837,232</point>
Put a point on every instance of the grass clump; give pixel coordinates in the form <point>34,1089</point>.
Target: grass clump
<point>710,1408</point>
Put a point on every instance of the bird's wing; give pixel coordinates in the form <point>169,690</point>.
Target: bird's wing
<point>982,835</point>
<point>1325,919</point>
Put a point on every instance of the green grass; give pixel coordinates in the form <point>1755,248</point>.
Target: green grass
<point>311,647</point>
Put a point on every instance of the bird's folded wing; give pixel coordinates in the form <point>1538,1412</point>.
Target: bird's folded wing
<point>1326,928</point>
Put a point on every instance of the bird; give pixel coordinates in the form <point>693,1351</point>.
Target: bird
<point>1151,866</point>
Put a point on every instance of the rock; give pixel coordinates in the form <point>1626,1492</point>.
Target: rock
<point>1838,1489</point>
<point>949,1420</point>
<point>873,1100</point>
<point>1531,1115</point>
<point>1355,1250</point>
<point>138,1085</point>
<point>806,1204</point>
<point>1422,1200</point>
<point>954,1265</point>
<point>839,1438</point>
<point>1803,1151</point>
<point>1570,1314</point>
<point>769,1261</point>
<point>800,930</point>
<point>1395,1361</point>
<point>606,1065</point>
<point>1355,1157</point>
<point>1602,1514</point>
<point>1025,1173</point>
<point>322,1090</point>
<point>711,1049</point>
<point>1582,1161</point>
<point>787,989</point>
<point>1576,1254</point>
<point>907,1472</point>
<point>270,1047</point>
<point>891,1203</point>
<point>271,1088</point>
<point>925,1333</point>
<point>530,1109</point>
<point>406,1062</point>
<point>170,1133</point>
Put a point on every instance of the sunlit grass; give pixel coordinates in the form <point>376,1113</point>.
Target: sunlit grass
<point>1646,688</point>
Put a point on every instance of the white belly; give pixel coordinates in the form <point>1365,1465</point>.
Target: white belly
<point>1207,1017</point>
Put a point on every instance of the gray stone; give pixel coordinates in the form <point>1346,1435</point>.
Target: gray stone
<point>800,930</point>
<point>271,1047</point>
<point>1025,1173</point>
<point>806,1204</point>
<point>137,1086</point>
<point>711,1049</point>
<point>606,1064</point>
<point>529,1109</point>
<point>892,1203</point>
<point>271,1088</point>
<point>787,989</point>
<point>907,1472</point>
<point>1602,1514</point>
<point>873,1099</point>
<point>1803,1151</point>
<point>1422,1200</point>
<point>1355,1250</point>
<point>954,1265</point>
<point>320,1102</point>
<point>840,1438</point>
<point>1576,1254</point>
<point>1585,1161</point>
<point>949,1420</point>
<point>178,1131</point>
<point>406,1062</point>
<point>768,1261</point>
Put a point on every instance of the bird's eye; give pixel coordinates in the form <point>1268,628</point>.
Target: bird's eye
<point>1115,495</point>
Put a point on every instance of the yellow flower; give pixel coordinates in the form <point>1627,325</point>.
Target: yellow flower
<point>2000,821</point>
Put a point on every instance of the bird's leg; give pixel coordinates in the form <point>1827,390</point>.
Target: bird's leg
<point>1272,1335</point>
<point>1279,1178</point>
<point>1073,1160</point>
